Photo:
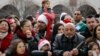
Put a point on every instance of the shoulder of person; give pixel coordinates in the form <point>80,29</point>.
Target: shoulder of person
<point>15,36</point>
<point>80,36</point>
<point>59,36</point>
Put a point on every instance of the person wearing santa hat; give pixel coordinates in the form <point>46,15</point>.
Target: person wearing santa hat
<point>65,18</point>
<point>44,23</point>
<point>44,46</point>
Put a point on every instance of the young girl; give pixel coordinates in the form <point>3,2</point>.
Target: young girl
<point>17,48</point>
<point>94,49</point>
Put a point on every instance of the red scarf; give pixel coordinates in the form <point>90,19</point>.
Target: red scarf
<point>47,36</point>
<point>5,42</point>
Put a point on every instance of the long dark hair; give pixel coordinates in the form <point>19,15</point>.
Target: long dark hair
<point>14,45</point>
<point>9,28</point>
<point>94,32</point>
<point>55,30</point>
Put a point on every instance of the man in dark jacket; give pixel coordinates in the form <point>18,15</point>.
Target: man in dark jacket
<point>69,43</point>
<point>91,23</point>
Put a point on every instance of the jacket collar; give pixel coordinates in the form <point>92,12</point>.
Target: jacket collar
<point>73,39</point>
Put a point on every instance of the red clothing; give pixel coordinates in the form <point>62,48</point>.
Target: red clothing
<point>23,36</point>
<point>48,12</point>
<point>4,43</point>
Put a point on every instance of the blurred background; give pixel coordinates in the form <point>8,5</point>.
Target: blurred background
<point>22,8</point>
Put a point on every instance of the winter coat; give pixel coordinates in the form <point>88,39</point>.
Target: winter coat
<point>62,44</point>
<point>4,43</point>
<point>86,33</point>
<point>20,35</point>
<point>9,52</point>
<point>38,53</point>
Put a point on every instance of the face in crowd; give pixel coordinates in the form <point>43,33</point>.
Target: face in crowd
<point>46,4</point>
<point>26,25</point>
<point>45,47</point>
<point>96,32</point>
<point>94,49</point>
<point>20,48</point>
<point>36,28</point>
<point>91,23</point>
<point>41,25</point>
<point>60,29</point>
<point>4,26</point>
<point>69,30</point>
<point>77,16</point>
<point>13,24</point>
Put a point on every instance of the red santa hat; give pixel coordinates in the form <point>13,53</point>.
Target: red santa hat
<point>43,42</point>
<point>43,19</point>
<point>47,20</point>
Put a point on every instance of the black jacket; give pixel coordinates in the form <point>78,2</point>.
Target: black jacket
<point>62,44</point>
<point>86,33</point>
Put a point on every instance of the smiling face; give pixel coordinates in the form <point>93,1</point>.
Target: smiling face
<point>4,27</point>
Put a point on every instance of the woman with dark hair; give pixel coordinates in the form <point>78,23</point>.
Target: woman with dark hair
<point>5,35</point>
<point>17,48</point>
<point>25,32</point>
<point>57,29</point>
<point>96,34</point>
<point>13,24</point>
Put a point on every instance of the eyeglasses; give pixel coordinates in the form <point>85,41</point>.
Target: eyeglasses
<point>76,14</point>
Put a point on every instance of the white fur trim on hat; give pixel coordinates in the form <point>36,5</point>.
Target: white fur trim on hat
<point>43,19</point>
<point>62,14</point>
<point>42,43</point>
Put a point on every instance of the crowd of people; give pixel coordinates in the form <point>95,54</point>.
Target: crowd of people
<point>42,36</point>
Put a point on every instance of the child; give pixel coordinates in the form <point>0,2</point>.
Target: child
<point>94,49</point>
<point>44,45</point>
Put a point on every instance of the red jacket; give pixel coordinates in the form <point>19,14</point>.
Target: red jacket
<point>4,43</point>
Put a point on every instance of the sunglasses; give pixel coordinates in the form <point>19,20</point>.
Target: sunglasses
<point>76,14</point>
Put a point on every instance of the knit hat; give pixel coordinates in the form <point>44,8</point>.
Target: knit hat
<point>43,42</point>
<point>43,19</point>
